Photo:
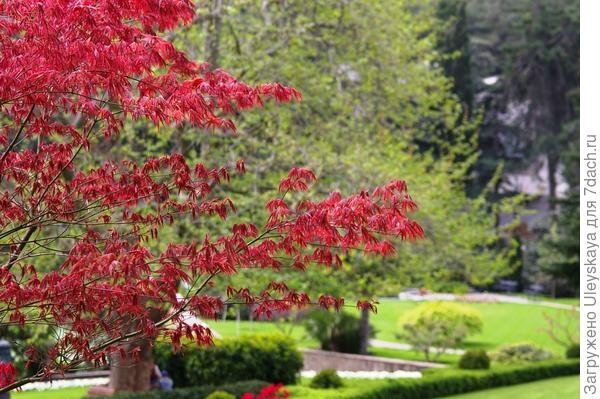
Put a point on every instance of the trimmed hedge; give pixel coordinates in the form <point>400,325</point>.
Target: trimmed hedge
<point>440,383</point>
<point>266,357</point>
<point>237,389</point>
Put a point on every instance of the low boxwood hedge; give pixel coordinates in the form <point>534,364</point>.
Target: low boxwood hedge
<point>266,357</point>
<point>237,389</point>
<point>440,383</point>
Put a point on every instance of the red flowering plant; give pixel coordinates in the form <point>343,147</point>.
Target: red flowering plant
<point>71,73</point>
<point>273,391</point>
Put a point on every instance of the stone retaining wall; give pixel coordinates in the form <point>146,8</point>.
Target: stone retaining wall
<point>318,360</point>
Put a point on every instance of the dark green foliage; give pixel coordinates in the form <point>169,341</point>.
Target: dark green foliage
<point>559,250</point>
<point>267,357</point>
<point>220,395</point>
<point>533,47</point>
<point>441,383</point>
<point>326,378</point>
<point>335,331</point>
<point>453,44</point>
<point>237,389</point>
<point>474,360</point>
<point>573,352</point>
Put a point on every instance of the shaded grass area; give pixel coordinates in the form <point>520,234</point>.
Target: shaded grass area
<point>555,388</point>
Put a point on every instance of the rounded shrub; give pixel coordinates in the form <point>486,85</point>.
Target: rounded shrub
<point>573,352</point>
<point>266,357</point>
<point>474,360</point>
<point>326,378</point>
<point>438,324</point>
<point>220,395</point>
<point>520,353</point>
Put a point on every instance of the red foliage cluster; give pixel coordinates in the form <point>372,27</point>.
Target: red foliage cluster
<point>72,72</point>
<point>8,373</point>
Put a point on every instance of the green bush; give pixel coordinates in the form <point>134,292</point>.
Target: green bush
<point>266,357</point>
<point>335,331</point>
<point>572,352</point>
<point>237,389</point>
<point>439,324</point>
<point>474,360</point>
<point>326,378</point>
<point>520,353</point>
<point>442,383</point>
<point>220,395</point>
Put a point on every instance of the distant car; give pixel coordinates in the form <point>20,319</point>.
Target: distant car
<point>505,285</point>
<point>535,289</point>
<point>412,294</point>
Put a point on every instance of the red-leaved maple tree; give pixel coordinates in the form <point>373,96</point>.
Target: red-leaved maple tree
<point>71,73</point>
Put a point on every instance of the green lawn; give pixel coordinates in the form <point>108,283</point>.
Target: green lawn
<point>413,355</point>
<point>555,388</point>
<point>502,323</point>
<point>300,391</point>
<point>64,393</point>
<point>562,301</point>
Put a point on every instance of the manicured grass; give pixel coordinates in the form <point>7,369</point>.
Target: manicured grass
<point>413,355</point>
<point>562,301</point>
<point>555,388</point>
<point>64,393</point>
<point>502,323</point>
<point>300,391</point>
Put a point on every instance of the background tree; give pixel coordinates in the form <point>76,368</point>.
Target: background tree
<point>531,49</point>
<point>388,110</point>
<point>387,99</point>
<point>525,58</point>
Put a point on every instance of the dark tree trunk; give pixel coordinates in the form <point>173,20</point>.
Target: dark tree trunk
<point>552,169</point>
<point>213,32</point>
<point>132,374</point>
<point>364,331</point>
